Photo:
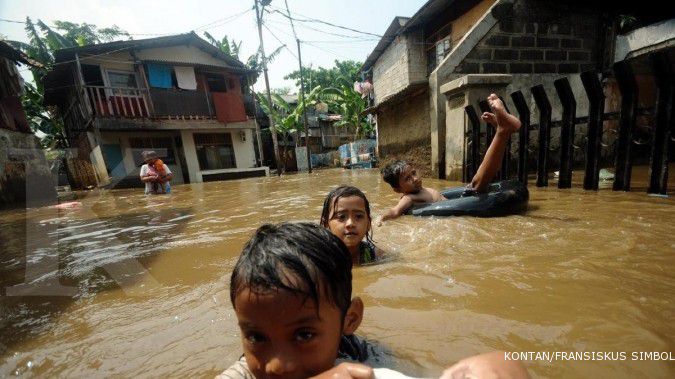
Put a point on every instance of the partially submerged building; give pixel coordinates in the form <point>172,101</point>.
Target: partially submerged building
<point>452,53</point>
<point>177,95</point>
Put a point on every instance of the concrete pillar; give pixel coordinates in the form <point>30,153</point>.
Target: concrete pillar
<point>96,158</point>
<point>191,156</point>
<point>467,90</point>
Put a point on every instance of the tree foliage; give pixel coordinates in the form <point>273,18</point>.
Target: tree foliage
<point>287,118</point>
<point>350,105</point>
<point>344,73</point>
<point>232,48</point>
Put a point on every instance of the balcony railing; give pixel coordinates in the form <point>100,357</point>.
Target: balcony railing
<point>116,102</point>
<point>171,102</point>
<point>119,102</point>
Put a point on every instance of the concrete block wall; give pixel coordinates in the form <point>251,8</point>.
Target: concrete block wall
<point>537,37</point>
<point>417,58</point>
<point>391,71</point>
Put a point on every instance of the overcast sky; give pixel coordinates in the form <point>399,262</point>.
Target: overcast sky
<point>234,18</point>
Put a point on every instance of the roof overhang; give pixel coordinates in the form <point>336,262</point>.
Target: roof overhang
<point>149,43</point>
<point>412,89</point>
<point>8,51</point>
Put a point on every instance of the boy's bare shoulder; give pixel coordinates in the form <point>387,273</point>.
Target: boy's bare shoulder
<point>425,195</point>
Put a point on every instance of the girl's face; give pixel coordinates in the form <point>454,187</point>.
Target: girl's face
<point>349,221</point>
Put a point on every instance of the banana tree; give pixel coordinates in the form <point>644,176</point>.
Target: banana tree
<point>282,119</point>
<point>288,118</point>
<point>349,104</point>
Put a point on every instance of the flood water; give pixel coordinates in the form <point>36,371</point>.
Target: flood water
<point>133,286</point>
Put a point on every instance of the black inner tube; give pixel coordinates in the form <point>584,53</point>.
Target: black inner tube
<point>501,199</point>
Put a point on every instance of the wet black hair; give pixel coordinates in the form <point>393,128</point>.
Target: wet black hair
<point>391,173</point>
<point>331,201</point>
<point>303,258</point>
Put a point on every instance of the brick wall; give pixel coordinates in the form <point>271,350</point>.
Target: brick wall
<point>402,63</point>
<point>417,60</point>
<point>390,71</point>
<point>537,37</point>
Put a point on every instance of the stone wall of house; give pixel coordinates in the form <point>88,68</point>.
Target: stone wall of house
<point>537,37</point>
<point>402,63</point>
<point>417,59</point>
<point>390,71</point>
<point>535,40</point>
<point>403,132</point>
<point>25,179</point>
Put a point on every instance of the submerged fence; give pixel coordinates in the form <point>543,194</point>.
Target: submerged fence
<point>661,130</point>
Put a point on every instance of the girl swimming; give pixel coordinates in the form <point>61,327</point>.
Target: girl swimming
<point>346,213</point>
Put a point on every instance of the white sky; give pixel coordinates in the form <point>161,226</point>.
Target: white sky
<point>172,17</point>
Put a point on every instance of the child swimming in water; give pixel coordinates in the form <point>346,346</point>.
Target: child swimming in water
<point>346,213</point>
<point>404,179</point>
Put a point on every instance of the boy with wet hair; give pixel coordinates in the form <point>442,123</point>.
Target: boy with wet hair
<point>291,291</point>
<point>404,179</point>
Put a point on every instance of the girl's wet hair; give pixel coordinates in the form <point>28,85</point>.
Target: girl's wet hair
<point>303,258</point>
<point>331,201</point>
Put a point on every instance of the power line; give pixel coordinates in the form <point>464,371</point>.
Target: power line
<point>309,19</point>
<point>223,21</point>
<point>327,50</point>
<point>282,44</point>
<point>340,41</point>
<point>318,30</point>
<point>56,27</point>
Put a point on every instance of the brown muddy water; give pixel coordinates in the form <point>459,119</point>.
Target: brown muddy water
<point>146,280</point>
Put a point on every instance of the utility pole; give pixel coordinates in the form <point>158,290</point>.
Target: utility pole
<point>257,128</point>
<point>258,16</point>
<point>302,91</point>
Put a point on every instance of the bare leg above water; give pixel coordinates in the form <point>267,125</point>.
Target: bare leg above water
<point>506,124</point>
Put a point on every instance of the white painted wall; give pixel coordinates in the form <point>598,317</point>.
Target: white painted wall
<point>244,153</point>
<point>122,139</point>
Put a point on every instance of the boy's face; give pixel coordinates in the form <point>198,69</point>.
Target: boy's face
<point>284,336</point>
<point>409,181</point>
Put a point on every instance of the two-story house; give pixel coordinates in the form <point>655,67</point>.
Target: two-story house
<point>177,95</point>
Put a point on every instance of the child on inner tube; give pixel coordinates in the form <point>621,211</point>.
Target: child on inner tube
<point>404,179</point>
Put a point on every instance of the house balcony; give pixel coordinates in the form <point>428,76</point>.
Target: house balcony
<point>167,104</point>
